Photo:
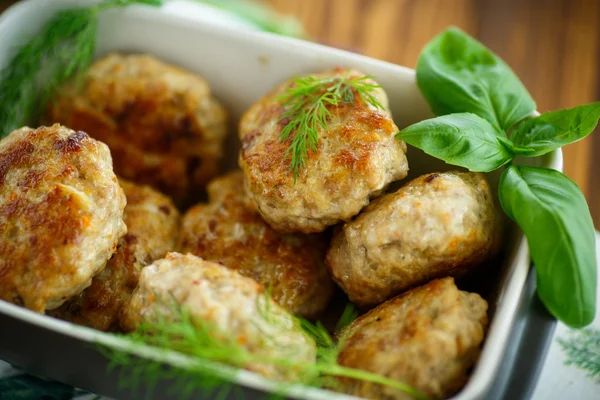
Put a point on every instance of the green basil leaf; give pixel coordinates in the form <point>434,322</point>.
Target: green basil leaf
<point>457,74</point>
<point>540,135</point>
<point>553,214</point>
<point>463,139</point>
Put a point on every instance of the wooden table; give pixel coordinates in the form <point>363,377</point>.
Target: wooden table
<point>553,45</point>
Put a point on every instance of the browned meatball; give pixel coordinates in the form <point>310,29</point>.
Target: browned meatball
<point>357,158</point>
<point>218,297</point>
<point>428,338</point>
<point>153,222</point>
<point>162,124</point>
<point>61,214</point>
<point>437,225</point>
<point>229,231</point>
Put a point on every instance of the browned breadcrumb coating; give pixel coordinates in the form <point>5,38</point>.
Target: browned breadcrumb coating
<point>61,214</point>
<point>228,301</point>
<point>153,223</point>
<point>358,156</point>
<point>228,230</point>
<point>437,225</point>
<point>162,124</point>
<point>428,338</point>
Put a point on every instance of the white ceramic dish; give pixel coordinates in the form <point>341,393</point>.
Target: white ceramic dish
<point>241,67</point>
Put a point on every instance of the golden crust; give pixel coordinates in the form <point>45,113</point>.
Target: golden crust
<point>440,224</point>
<point>229,231</point>
<point>232,304</point>
<point>153,223</point>
<point>161,123</point>
<point>61,214</point>
<point>428,338</point>
<point>358,157</point>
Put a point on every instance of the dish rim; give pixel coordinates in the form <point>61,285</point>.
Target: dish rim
<point>505,316</point>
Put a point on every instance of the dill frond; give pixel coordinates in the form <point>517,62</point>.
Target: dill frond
<point>307,102</point>
<point>64,48</point>
<point>582,349</point>
<point>261,15</point>
<point>348,316</point>
<point>212,354</point>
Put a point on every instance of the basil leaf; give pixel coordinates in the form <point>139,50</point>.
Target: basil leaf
<point>553,214</point>
<point>463,139</point>
<point>456,74</point>
<point>540,135</point>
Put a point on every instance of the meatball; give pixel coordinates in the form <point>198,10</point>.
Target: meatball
<point>437,225</point>
<point>153,223</point>
<point>162,124</point>
<point>357,157</point>
<point>428,338</point>
<point>61,214</point>
<point>233,305</point>
<point>229,231</point>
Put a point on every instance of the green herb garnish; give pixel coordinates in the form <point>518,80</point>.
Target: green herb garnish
<point>210,356</point>
<point>460,139</point>
<point>306,103</point>
<point>537,136</point>
<point>260,15</point>
<point>348,316</point>
<point>583,350</point>
<point>64,48</point>
<point>553,214</point>
<point>458,74</point>
<point>479,99</point>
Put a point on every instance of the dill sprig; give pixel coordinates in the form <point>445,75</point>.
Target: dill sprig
<point>210,356</point>
<point>261,15</point>
<point>64,48</point>
<point>348,316</point>
<point>307,102</point>
<point>582,349</point>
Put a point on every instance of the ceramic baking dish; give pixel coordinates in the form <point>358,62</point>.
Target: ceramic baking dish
<point>242,66</point>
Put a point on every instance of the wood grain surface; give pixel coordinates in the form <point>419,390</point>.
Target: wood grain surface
<point>553,45</point>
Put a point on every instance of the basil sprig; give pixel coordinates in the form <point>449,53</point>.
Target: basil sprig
<point>553,214</point>
<point>462,139</point>
<point>540,135</point>
<point>458,74</point>
<point>479,98</point>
